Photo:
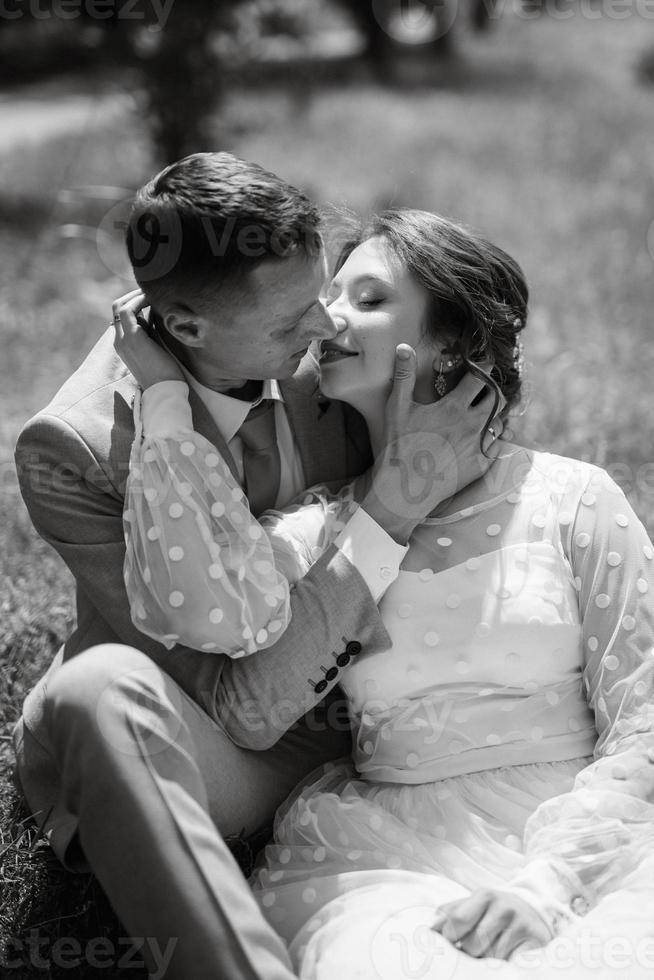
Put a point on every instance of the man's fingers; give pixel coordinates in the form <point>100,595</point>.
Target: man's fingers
<point>468,388</point>
<point>404,380</point>
<point>405,363</point>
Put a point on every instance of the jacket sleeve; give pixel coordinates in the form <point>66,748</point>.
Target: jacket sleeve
<point>589,841</point>
<point>76,505</point>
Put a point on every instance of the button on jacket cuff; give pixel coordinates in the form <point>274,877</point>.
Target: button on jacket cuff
<point>374,554</point>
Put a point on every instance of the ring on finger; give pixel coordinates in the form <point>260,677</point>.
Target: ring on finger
<point>116,318</point>
<point>492,432</point>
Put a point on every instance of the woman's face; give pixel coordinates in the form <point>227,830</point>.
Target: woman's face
<point>375,304</point>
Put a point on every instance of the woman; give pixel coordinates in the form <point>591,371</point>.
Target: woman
<point>500,794</point>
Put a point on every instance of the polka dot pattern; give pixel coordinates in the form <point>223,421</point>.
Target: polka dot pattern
<point>458,625</point>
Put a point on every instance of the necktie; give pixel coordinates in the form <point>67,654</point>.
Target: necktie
<point>261,462</point>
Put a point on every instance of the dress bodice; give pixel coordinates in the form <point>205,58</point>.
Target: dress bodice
<point>486,661</point>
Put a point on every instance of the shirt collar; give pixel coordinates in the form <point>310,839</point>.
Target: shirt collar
<point>229,413</point>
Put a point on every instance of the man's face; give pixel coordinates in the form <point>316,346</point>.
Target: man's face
<point>265,332</point>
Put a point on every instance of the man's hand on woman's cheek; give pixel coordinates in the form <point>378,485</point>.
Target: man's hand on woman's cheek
<point>431,451</point>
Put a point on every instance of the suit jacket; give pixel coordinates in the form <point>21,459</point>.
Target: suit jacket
<point>73,460</point>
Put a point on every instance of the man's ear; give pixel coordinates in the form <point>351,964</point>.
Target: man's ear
<point>185,326</point>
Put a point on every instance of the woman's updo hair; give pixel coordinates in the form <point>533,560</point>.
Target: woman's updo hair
<point>478,292</point>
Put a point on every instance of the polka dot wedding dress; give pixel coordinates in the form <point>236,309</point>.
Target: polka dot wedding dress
<point>505,740</point>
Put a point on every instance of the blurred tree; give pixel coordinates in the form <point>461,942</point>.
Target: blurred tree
<point>183,78</point>
<point>179,65</point>
<point>645,67</point>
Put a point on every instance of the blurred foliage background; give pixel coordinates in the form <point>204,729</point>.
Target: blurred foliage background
<point>532,121</point>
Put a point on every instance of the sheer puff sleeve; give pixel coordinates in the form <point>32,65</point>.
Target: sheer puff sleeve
<point>199,570</point>
<point>594,839</point>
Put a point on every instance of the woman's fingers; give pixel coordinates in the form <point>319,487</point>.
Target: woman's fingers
<point>117,303</point>
<point>491,923</point>
<point>129,310</point>
<point>462,917</point>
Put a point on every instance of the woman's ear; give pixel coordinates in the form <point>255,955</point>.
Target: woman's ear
<point>182,324</point>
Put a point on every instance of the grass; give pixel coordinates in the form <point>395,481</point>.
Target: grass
<point>542,140</point>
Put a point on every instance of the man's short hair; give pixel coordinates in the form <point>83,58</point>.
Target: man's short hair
<point>204,222</point>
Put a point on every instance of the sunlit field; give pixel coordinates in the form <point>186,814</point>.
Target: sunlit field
<point>543,139</point>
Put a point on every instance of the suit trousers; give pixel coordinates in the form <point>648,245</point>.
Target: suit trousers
<point>130,777</point>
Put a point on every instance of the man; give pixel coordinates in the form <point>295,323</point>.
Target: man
<point>132,757</point>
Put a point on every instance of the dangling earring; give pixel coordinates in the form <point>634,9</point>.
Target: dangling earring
<point>440,381</point>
